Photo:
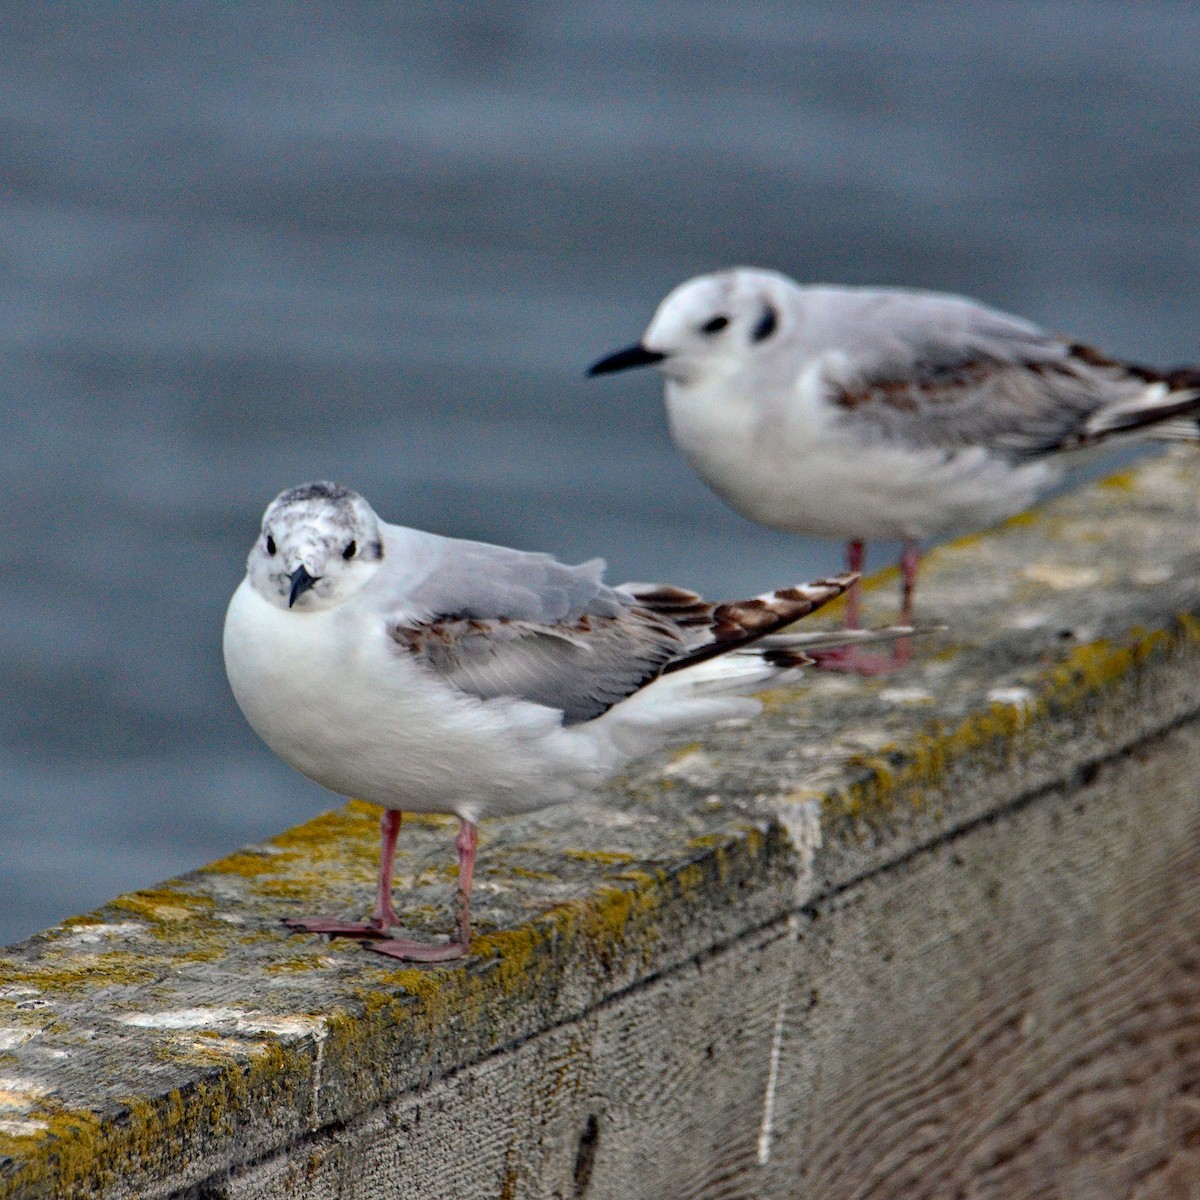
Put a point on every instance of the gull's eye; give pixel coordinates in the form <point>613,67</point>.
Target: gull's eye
<point>767,324</point>
<point>271,547</point>
<point>350,551</point>
<point>714,325</point>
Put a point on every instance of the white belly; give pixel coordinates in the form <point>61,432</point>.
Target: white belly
<point>806,477</point>
<point>331,697</point>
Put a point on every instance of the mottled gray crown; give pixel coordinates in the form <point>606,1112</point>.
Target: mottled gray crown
<point>322,489</point>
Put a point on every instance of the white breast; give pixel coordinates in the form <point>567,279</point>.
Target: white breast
<point>786,463</point>
<point>332,697</point>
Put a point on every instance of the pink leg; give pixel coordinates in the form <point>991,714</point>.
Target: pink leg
<point>856,558</point>
<point>407,951</point>
<point>384,916</point>
<point>910,562</point>
<point>466,844</point>
<point>849,659</point>
<point>389,830</point>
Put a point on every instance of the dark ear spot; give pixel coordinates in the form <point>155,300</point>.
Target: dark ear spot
<point>375,550</point>
<point>767,324</point>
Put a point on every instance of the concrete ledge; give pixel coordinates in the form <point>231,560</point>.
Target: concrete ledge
<point>934,934</point>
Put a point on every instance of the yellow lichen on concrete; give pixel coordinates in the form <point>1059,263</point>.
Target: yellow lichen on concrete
<point>633,876</point>
<point>1122,481</point>
<point>611,923</point>
<point>79,1153</point>
<point>608,857</point>
<point>79,972</point>
<point>906,775</point>
<point>168,904</point>
<point>297,884</point>
<point>248,863</point>
<point>528,873</point>
<point>336,837</point>
<point>306,962</point>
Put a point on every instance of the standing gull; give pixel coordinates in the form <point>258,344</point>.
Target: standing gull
<point>867,413</point>
<point>428,674</point>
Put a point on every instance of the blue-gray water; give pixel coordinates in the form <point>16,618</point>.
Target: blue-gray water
<point>245,246</point>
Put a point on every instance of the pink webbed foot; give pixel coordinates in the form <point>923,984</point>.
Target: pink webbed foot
<point>426,952</point>
<point>850,660</point>
<point>435,952</point>
<point>384,918</point>
<point>332,927</point>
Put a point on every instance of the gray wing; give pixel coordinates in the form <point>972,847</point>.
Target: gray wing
<point>940,371</point>
<point>495,622</point>
<point>500,622</point>
<point>481,581</point>
<point>581,666</point>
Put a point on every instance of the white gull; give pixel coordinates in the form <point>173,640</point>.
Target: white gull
<point>429,674</point>
<point>868,413</point>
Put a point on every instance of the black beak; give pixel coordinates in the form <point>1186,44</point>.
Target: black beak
<point>301,582</point>
<point>635,356</point>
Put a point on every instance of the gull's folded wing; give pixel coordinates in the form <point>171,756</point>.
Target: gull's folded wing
<point>943,372</point>
<point>498,623</point>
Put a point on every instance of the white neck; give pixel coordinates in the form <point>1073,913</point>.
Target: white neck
<point>746,446</point>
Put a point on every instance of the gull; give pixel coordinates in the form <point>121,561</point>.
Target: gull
<point>429,674</point>
<point>867,413</point>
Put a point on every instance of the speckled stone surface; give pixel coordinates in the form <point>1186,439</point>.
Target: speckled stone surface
<point>180,1039</point>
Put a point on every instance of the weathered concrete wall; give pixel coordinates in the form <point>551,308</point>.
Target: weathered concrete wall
<point>934,935</point>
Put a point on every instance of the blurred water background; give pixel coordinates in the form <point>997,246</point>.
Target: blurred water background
<point>246,246</point>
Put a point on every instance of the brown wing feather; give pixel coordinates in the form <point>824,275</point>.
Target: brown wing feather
<point>719,628</point>
<point>586,665</point>
<point>1022,407</point>
<point>581,667</point>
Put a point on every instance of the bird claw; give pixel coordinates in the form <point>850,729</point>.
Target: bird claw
<point>850,660</point>
<point>381,942</point>
<point>334,928</point>
<point>427,952</point>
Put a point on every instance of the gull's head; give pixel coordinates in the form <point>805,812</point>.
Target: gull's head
<point>713,327</point>
<point>319,544</point>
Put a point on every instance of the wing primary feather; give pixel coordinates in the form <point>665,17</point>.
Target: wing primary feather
<point>584,665</point>
<point>740,623</point>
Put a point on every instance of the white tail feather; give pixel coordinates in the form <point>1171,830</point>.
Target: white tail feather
<point>717,689</point>
<point>1181,429</point>
<point>1138,414</point>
